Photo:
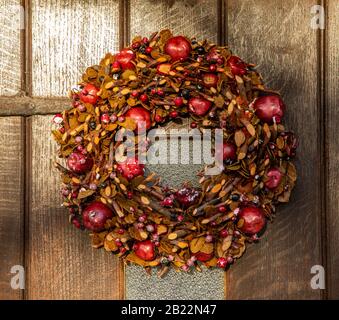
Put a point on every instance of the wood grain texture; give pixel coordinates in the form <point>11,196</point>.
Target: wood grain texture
<point>25,106</point>
<point>197,18</point>
<point>10,47</point>
<point>67,37</point>
<point>11,203</point>
<point>62,264</point>
<point>332,118</point>
<point>277,36</point>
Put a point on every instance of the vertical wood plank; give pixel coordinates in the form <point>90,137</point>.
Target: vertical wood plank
<point>193,18</point>
<point>277,36</point>
<point>332,120</point>
<point>10,47</point>
<point>189,17</point>
<point>11,203</point>
<point>69,36</point>
<point>61,262</point>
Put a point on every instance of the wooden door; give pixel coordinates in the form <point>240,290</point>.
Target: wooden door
<point>43,57</point>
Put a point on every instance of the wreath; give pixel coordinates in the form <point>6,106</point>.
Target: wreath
<point>128,210</point>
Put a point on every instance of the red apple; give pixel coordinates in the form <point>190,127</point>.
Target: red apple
<point>95,216</point>
<point>125,58</point>
<point>269,107</point>
<point>253,220</point>
<point>229,151</point>
<point>179,48</point>
<point>141,116</point>
<point>210,80</point>
<point>199,106</point>
<point>145,250</point>
<point>203,257</point>
<point>89,94</point>
<point>131,168</point>
<point>79,163</point>
<point>274,177</point>
<point>238,67</point>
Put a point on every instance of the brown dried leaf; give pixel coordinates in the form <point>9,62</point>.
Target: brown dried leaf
<point>216,188</point>
<point>85,193</point>
<point>239,138</point>
<point>196,244</point>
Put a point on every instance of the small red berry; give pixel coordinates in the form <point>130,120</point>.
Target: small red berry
<point>222,263</point>
<point>180,218</point>
<point>118,243</point>
<point>129,195</point>
<point>153,91</point>
<point>121,119</point>
<point>121,231</point>
<point>123,250</point>
<point>58,119</point>
<point>149,50</point>
<point>193,125</point>
<point>173,114</point>
<point>145,40</point>
<point>158,118</point>
<point>140,225</point>
<point>230,260</point>
<point>144,98</point>
<point>178,101</point>
<point>222,209</point>
<point>167,202</point>
<point>223,233</point>
<point>213,68</point>
<point>185,267</point>
<point>142,218</point>
<point>105,118</point>
<point>160,92</point>
<point>113,118</point>
<point>150,228</point>
<point>136,45</point>
<point>135,93</point>
<point>209,238</point>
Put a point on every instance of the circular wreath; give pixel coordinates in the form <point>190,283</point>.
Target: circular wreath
<point>130,213</point>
